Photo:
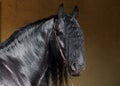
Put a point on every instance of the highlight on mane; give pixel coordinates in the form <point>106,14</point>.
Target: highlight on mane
<point>24,32</point>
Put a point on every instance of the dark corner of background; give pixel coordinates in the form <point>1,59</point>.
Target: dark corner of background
<point>0,20</point>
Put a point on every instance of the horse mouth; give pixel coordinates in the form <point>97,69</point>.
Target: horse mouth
<point>75,74</point>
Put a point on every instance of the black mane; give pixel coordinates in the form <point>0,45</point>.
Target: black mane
<point>21,31</point>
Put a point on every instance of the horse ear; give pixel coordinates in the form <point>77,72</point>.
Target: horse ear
<point>61,11</point>
<point>75,11</point>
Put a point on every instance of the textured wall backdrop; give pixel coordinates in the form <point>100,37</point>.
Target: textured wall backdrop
<point>100,20</point>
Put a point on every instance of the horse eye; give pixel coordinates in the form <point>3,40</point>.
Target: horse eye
<point>73,25</point>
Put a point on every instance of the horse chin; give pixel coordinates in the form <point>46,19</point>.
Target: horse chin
<point>75,74</point>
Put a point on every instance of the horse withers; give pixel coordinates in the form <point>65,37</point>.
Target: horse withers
<point>51,47</point>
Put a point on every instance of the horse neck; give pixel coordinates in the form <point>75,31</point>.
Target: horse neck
<point>17,47</point>
<point>30,49</point>
<point>46,32</point>
<point>32,38</point>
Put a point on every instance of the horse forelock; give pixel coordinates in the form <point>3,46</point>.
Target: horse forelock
<point>57,67</point>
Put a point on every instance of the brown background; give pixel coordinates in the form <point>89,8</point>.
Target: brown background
<point>100,20</point>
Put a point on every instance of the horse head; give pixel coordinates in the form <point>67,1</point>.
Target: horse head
<point>67,43</point>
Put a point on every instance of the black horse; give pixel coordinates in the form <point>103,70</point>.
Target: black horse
<point>51,47</point>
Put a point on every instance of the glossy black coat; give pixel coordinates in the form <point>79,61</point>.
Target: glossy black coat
<point>52,45</point>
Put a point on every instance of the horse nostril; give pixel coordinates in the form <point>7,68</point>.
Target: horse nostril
<point>74,67</point>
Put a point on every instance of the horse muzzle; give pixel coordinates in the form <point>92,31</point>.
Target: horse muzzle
<point>76,69</point>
